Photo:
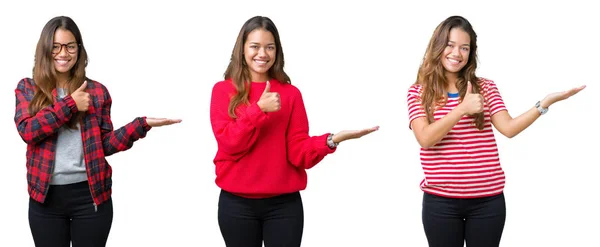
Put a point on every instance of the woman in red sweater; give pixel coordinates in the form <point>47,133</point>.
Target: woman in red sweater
<point>451,112</point>
<point>64,117</point>
<point>261,127</point>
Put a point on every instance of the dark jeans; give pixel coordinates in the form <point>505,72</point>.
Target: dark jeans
<point>68,214</point>
<point>449,222</point>
<point>279,221</point>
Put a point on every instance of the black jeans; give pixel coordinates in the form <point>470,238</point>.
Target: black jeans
<point>68,214</point>
<point>449,222</point>
<point>279,221</point>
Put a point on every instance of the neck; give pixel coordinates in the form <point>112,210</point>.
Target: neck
<point>451,79</point>
<point>61,80</point>
<point>259,77</point>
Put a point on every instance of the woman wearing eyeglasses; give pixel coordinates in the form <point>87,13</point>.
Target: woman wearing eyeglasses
<point>64,117</point>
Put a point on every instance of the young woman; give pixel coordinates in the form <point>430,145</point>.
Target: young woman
<point>451,112</point>
<point>261,127</point>
<point>64,117</point>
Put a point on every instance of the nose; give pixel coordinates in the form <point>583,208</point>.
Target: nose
<point>63,51</point>
<point>262,52</point>
<point>456,51</point>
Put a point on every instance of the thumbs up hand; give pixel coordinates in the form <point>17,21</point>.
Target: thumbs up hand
<point>269,101</point>
<point>81,97</point>
<point>472,103</point>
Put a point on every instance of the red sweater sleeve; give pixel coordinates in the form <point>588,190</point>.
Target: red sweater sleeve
<point>303,150</point>
<point>234,136</point>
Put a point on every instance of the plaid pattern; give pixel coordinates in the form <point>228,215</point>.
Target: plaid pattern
<point>99,138</point>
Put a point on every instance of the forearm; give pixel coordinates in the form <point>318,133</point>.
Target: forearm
<point>237,136</point>
<point>306,152</point>
<point>46,122</point>
<point>520,123</point>
<point>115,141</point>
<point>433,133</point>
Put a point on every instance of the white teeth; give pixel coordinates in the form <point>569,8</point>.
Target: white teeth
<point>62,62</point>
<point>454,61</point>
<point>261,62</point>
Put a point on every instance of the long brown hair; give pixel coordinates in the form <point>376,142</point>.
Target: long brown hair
<point>238,71</point>
<point>431,73</point>
<point>44,72</point>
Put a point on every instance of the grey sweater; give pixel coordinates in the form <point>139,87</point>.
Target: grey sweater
<point>69,164</point>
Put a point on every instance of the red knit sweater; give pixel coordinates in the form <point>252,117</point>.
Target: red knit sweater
<point>263,154</point>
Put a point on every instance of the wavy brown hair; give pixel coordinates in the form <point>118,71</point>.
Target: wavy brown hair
<point>44,72</point>
<point>432,76</point>
<point>238,71</point>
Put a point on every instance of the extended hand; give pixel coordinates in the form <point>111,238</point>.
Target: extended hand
<point>352,134</point>
<point>558,96</point>
<point>157,122</point>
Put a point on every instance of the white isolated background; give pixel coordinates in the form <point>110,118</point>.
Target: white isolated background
<point>353,62</point>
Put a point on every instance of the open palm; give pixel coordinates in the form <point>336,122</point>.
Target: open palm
<point>157,122</point>
<point>353,134</point>
<point>558,96</point>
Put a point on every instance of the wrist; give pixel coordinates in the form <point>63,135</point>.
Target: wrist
<point>461,110</point>
<point>335,138</point>
<point>545,103</point>
<point>332,141</point>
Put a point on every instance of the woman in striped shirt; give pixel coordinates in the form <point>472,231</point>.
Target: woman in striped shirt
<point>451,112</point>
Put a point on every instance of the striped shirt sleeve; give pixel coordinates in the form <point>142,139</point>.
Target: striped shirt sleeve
<point>415,109</point>
<point>492,96</point>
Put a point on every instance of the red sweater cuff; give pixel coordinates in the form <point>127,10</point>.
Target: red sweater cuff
<point>255,115</point>
<point>320,143</point>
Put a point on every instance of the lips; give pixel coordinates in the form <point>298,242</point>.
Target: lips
<point>62,62</point>
<point>261,62</point>
<point>453,61</point>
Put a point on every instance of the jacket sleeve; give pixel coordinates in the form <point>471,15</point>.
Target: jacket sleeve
<point>47,121</point>
<point>114,141</point>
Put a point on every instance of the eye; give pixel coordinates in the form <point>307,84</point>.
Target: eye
<point>253,46</point>
<point>465,48</point>
<point>271,47</point>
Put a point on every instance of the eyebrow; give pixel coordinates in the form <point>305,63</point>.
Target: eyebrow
<point>257,43</point>
<point>450,41</point>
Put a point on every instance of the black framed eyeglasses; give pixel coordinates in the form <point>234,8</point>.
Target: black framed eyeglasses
<point>71,47</point>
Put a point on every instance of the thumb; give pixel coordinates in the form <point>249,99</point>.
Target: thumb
<point>82,88</point>
<point>268,87</point>
<point>469,88</point>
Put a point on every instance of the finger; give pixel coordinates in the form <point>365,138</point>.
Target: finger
<point>268,87</point>
<point>82,87</point>
<point>469,87</point>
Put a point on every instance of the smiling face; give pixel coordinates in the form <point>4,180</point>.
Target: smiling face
<point>64,52</point>
<point>260,54</point>
<point>456,54</point>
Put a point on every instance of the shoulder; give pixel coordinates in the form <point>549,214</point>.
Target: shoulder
<point>485,82</point>
<point>487,86</point>
<point>25,83</point>
<point>97,88</point>
<point>415,90</point>
<point>288,88</point>
<point>223,86</point>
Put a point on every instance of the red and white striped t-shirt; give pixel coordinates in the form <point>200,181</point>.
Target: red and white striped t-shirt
<point>465,163</point>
